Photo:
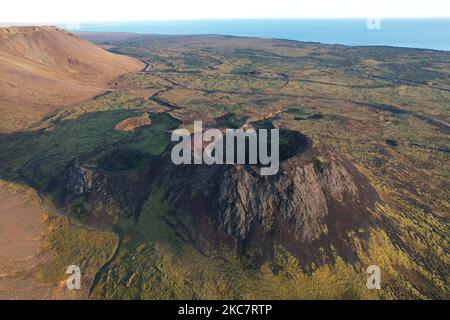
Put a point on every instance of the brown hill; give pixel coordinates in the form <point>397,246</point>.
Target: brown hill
<point>43,68</point>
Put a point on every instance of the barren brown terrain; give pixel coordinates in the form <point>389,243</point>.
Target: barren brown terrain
<point>43,68</point>
<point>22,246</point>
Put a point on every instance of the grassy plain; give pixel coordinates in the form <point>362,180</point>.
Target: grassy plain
<point>386,109</point>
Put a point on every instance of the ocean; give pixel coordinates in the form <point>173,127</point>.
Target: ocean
<point>412,33</point>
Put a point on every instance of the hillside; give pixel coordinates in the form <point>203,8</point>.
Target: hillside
<point>43,68</point>
<point>363,176</point>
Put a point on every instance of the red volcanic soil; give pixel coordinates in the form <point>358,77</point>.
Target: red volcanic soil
<point>43,68</point>
<point>133,123</point>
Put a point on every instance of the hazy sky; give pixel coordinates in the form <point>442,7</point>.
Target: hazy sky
<point>62,11</point>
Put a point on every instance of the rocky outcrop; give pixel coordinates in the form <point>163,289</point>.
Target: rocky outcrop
<point>316,201</point>
<point>299,195</point>
<point>311,208</point>
<point>103,194</point>
<point>78,180</point>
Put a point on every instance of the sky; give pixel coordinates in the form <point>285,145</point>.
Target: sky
<point>63,11</point>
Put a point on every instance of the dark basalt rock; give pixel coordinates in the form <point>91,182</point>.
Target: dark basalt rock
<point>313,204</point>
<point>106,193</point>
<point>311,208</point>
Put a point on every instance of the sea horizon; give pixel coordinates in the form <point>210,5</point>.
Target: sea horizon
<point>419,33</point>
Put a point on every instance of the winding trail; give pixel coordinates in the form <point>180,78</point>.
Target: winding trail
<point>376,106</point>
<point>163,102</point>
<point>410,82</point>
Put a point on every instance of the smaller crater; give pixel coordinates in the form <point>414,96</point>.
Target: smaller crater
<point>131,124</point>
<point>121,160</point>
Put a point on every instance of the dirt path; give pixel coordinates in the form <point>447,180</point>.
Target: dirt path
<point>163,102</point>
<point>378,106</point>
<point>410,82</point>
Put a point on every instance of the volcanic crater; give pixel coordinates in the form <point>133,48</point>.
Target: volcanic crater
<point>311,208</point>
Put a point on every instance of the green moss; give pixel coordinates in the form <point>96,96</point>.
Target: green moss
<point>321,163</point>
<point>73,244</point>
<point>78,209</point>
<point>153,262</point>
<point>231,121</point>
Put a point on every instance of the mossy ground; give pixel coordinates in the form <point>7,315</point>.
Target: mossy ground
<point>332,94</point>
<point>69,243</point>
<point>153,263</point>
